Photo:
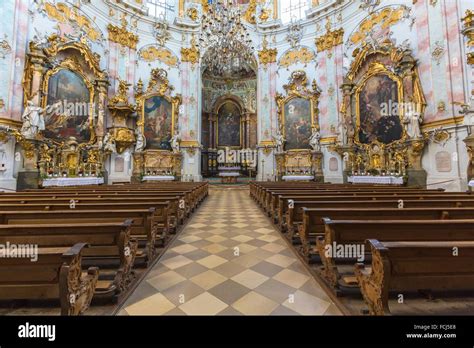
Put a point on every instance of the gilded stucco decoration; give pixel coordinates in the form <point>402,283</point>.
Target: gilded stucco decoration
<point>381,19</point>
<point>122,36</point>
<point>330,39</point>
<point>152,53</point>
<point>67,14</point>
<point>267,55</point>
<point>302,55</point>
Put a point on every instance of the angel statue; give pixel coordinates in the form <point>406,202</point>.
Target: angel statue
<point>141,140</point>
<point>33,120</point>
<point>280,142</point>
<point>315,140</point>
<point>175,140</point>
<point>109,143</point>
<point>412,121</point>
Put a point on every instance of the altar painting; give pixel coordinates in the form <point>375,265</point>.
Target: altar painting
<point>68,109</point>
<point>379,94</point>
<point>158,127</point>
<point>297,123</point>
<point>228,128</point>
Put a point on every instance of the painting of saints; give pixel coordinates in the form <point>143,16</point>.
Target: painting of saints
<point>158,123</point>
<point>379,92</point>
<point>297,124</point>
<point>69,101</point>
<point>228,128</point>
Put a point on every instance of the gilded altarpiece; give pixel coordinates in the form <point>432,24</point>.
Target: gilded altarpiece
<point>158,122</point>
<point>298,148</point>
<point>63,79</point>
<point>382,112</point>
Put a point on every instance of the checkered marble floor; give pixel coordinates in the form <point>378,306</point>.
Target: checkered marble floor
<point>229,260</point>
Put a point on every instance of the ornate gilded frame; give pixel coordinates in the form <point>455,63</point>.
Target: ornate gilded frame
<point>79,59</point>
<point>298,88</point>
<point>378,69</point>
<point>158,86</point>
<point>219,106</point>
<point>72,65</point>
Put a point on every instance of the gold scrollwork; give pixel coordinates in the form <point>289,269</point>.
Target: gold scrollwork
<point>190,55</point>
<point>153,53</point>
<point>331,39</point>
<point>122,36</point>
<point>302,55</point>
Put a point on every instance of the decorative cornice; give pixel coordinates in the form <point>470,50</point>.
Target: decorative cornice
<point>454,121</point>
<point>122,36</point>
<point>11,123</point>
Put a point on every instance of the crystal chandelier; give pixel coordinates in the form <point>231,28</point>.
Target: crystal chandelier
<point>225,39</point>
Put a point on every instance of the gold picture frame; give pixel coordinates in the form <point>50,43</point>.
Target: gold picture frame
<point>378,69</point>
<point>241,140</point>
<point>158,87</point>
<point>297,88</point>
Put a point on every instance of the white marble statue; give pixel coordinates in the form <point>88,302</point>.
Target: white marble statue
<point>174,142</point>
<point>315,140</point>
<point>413,121</point>
<point>33,120</point>
<point>341,134</point>
<point>279,141</point>
<point>109,143</point>
<point>141,140</point>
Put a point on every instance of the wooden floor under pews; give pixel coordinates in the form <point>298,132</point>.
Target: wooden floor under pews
<point>380,250</point>
<point>94,243</point>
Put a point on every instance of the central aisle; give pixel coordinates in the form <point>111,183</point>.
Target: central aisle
<point>229,259</point>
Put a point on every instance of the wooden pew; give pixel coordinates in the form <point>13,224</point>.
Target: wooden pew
<point>56,274</point>
<point>110,248</point>
<point>413,266</point>
<point>164,222</point>
<point>143,227</point>
<point>313,218</point>
<point>289,216</point>
<point>355,232</point>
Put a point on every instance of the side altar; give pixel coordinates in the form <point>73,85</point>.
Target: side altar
<point>298,148</point>
<point>157,154</point>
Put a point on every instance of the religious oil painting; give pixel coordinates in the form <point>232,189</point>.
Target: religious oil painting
<point>375,124</point>
<point>228,125</point>
<point>68,112</point>
<point>158,123</point>
<point>297,124</point>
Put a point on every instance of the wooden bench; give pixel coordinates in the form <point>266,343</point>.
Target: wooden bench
<point>55,274</point>
<point>162,219</point>
<point>352,233</point>
<point>413,266</point>
<point>313,219</point>
<point>110,248</point>
<point>289,217</point>
<point>143,227</point>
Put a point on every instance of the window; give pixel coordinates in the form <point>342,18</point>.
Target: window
<point>160,8</point>
<point>293,10</point>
